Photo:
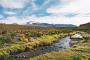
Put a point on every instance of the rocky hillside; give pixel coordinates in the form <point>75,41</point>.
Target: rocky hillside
<point>85,26</point>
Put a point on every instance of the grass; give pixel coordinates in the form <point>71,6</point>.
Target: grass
<point>21,46</point>
<point>79,51</point>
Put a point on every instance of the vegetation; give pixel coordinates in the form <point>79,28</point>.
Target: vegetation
<point>85,27</point>
<point>21,46</point>
<point>79,51</point>
<point>15,39</point>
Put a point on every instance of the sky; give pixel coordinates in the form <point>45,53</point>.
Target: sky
<point>74,12</point>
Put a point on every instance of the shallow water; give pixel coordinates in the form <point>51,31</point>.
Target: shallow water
<point>60,45</point>
<point>63,43</point>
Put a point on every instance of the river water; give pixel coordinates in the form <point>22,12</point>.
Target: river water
<point>60,45</point>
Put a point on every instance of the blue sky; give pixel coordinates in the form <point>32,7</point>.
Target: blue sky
<point>49,11</point>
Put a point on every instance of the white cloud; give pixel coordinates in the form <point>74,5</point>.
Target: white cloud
<point>34,5</point>
<point>72,6</point>
<point>80,7</point>
<point>13,3</point>
<point>62,20</point>
<point>48,19</point>
<point>77,6</point>
<point>14,19</point>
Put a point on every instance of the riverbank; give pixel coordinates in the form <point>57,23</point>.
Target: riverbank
<point>21,47</point>
<point>80,51</point>
<point>59,45</point>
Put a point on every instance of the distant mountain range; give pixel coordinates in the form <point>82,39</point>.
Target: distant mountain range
<point>50,25</point>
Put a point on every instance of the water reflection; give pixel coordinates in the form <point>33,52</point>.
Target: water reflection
<point>63,43</point>
<point>60,45</point>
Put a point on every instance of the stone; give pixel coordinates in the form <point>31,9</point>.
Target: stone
<point>77,36</point>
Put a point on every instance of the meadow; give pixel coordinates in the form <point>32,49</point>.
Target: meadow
<point>15,39</point>
<point>80,51</point>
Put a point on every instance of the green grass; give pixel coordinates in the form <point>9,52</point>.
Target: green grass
<point>79,51</point>
<point>21,46</point>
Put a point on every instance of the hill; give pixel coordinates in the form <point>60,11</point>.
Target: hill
<point>85,26</point>
<point>16,27</point>
<point>51,25</point>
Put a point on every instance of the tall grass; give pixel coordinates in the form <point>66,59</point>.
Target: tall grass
<point>80,51</point>
<point>21,46</point>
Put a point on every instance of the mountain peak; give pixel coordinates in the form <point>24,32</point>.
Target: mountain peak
<point>49,25</point>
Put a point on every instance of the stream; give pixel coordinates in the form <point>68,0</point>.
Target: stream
<point>63,43</point>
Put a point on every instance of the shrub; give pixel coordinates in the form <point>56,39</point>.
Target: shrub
<point>4,39</point>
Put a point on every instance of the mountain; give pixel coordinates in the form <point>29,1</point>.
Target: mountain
<point>50,25</point>
<point>85,26</point>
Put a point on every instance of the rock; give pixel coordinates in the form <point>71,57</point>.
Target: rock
<point>77,36</point>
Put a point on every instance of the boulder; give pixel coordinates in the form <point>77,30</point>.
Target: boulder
<point>77,36</point>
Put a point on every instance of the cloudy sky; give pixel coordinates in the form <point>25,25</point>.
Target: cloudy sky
<point>49,11</point>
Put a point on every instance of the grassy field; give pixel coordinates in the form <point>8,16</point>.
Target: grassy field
<point>18,38</point>
<point>79,51</point>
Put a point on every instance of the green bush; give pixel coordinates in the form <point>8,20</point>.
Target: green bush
<point>35,34</point>
<point>4,39</point>
<point>77,58</point>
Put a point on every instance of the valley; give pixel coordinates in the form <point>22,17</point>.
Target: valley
<point>20,42</point>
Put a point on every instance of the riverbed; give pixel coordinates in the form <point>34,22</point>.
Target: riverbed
<point>61,44</point>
